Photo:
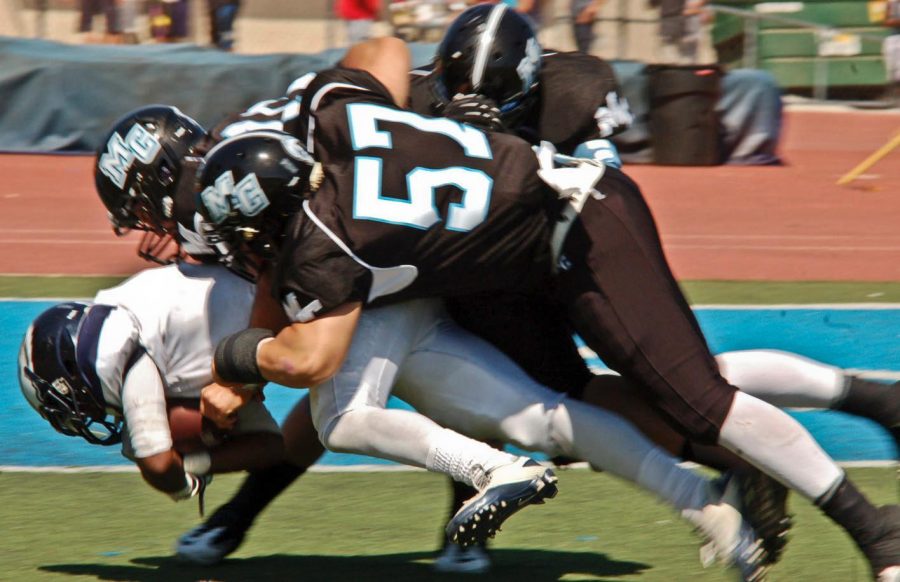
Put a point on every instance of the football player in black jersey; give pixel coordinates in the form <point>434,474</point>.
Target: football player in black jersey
<point>223,532</point>
<point>613,280</point>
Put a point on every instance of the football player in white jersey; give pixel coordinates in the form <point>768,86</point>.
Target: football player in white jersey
<point>109,371</point>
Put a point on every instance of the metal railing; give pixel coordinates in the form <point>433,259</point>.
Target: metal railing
<point>823,33</point>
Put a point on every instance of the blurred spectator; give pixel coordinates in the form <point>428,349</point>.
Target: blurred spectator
<point>358,15</point>
<point>222,14</point>
<point>891,50</point>
<point>533,9</point>
<point>680,29</point>
<point>92,8</point>
<point>584,12</point>
<point>168,20</point>
<point>128,11</point>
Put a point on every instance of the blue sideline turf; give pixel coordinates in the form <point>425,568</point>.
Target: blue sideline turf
<point>860,339</point>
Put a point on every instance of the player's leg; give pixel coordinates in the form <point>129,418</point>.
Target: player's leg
<point>627,306</point>
<point>464,383</point>
<point>531,330</point>
<point>350,416</point>
<point>789,380</point>
<point>224,531</point>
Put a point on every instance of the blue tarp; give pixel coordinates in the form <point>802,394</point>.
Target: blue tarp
<point>60,97</point>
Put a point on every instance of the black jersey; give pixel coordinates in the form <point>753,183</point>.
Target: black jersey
<point>577,101</point>
<point>410,206</point>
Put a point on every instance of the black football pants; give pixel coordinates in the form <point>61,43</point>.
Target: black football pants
<point>623,300</point>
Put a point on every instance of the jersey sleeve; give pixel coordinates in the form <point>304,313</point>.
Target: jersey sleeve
<point>581,101</point>
<point>277,114</point>
<point>144,409</point>
<point>315,274</point>
<point>322,125</point>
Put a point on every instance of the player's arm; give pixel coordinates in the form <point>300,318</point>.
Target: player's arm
<point>386,59</point>
<point>300,355</point>
<point>144,408</point>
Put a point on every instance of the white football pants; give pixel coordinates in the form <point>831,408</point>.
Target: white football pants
<point>467,385</point>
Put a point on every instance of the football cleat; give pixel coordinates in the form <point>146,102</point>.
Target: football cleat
<point>884,552</point>
<point>764,503</point>
<point>209,543</point>
<point>455,559</point>
<point>730,538</point>
<point>510,488</point>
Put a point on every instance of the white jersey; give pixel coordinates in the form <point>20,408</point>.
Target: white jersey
<point>158,344</point>
<point>181,312</point>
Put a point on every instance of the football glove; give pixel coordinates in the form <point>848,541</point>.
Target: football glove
<point>195,486</point>
<point>476,110</point>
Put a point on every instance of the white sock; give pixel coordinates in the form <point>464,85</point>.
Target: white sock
<point>463,459</point>
<point>412,439</point>
<point>611,443</point>
<point>783,379</point>
<point>779,446</point>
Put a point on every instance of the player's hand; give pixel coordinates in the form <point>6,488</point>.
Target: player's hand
<point>220,403</point>
<point>476,110</point>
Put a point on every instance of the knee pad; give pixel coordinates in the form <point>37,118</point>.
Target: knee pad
<point>561,434</point>
<point>542,426</point>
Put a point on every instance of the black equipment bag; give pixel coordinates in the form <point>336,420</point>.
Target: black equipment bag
<point>684,127</point>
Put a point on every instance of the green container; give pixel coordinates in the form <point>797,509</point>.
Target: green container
<point>799,73</point>
<point>790,52</point>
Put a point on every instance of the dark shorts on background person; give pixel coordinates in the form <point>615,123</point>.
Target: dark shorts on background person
<point>90,8</point>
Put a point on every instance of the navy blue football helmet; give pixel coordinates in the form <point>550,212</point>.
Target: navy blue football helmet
<point>57,374</point>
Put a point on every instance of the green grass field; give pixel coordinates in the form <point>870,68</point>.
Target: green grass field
<point>699,292</point>
<point>385,526</point>
<point>382,526</point>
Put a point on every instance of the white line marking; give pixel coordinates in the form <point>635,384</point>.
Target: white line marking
<point>351,468</point>
<point>799,306</point>
<point>785,248</point>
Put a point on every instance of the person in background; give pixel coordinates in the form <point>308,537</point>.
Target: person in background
<point>680,28</point>
<point>168,20</point>
<point>109,9</point>
<point>584,12</point>
<point>891,50</point>
<point>358,16</point>
<point>222,14</point>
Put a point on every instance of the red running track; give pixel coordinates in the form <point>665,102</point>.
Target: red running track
<point>732,223</point>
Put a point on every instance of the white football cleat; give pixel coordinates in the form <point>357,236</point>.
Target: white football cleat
<point>510,488</point>
<point>730,540</point>
<point>455,559</point>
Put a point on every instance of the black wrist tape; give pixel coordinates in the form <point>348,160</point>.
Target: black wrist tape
<point>235,357</point>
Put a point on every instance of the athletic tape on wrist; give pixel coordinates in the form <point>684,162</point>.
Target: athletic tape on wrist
<point>197,463</point>
<point>235,357</point>
<point>186,491</point>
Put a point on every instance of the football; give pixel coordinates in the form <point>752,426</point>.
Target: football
<point>191,431</point>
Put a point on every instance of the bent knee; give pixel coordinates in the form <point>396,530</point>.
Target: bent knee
<point>532,429</point>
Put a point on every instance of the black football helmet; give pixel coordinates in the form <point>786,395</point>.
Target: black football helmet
<point>59,380</point>
<point>137,172</point>
<point>247,189</point>
<point>491,50</point>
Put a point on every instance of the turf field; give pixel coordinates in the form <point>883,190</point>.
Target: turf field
<point>384,525</point>
<point>381,526</point>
